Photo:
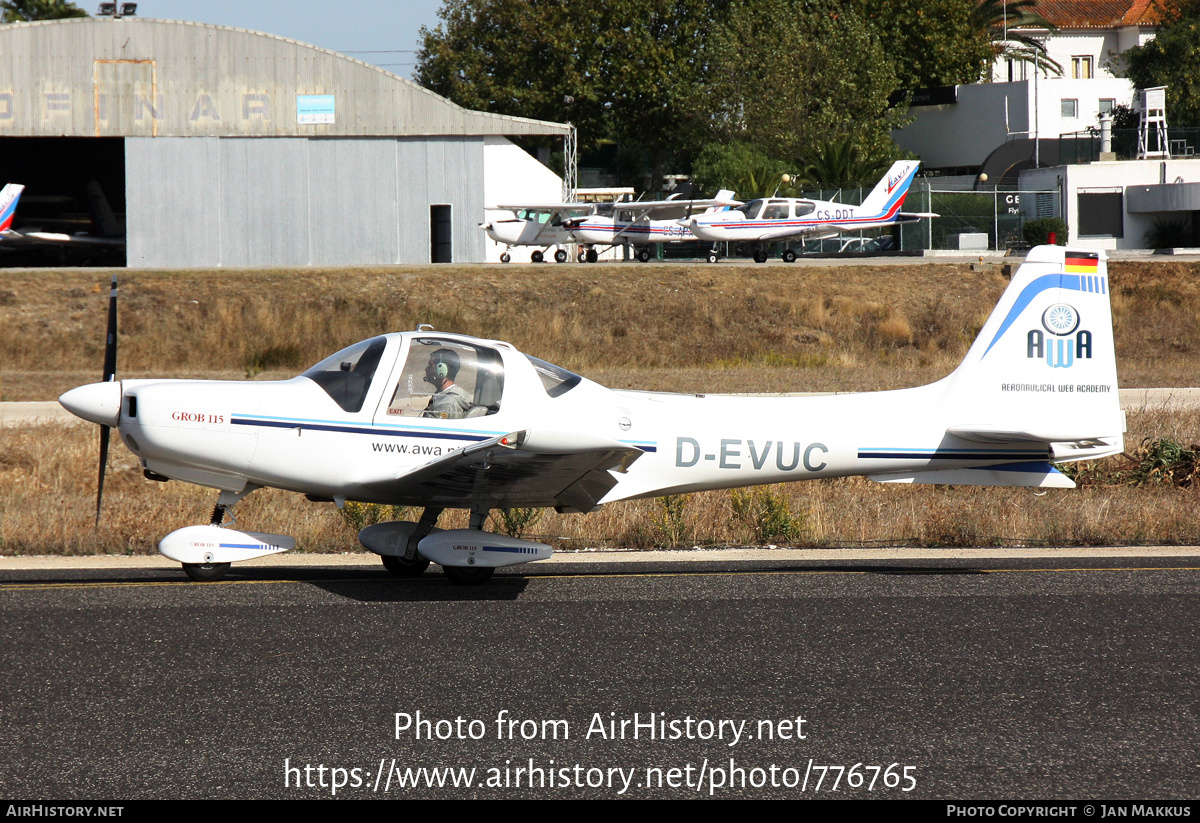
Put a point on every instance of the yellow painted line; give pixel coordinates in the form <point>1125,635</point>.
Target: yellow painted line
<point>899,572</point>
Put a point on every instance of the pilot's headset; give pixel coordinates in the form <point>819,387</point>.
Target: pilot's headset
<point>445,364</point>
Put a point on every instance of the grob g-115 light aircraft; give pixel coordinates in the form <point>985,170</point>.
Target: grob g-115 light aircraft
<point>781,218</point>
<point>438,420</point>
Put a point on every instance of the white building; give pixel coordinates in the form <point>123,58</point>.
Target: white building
<point>1015,121</point>
<point>1112,205</point>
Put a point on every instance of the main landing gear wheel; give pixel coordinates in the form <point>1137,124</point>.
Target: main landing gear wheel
<point>712,257</point>
<point>206,572</point>
<point>592,255</point>
<point>536,257</point>
<point>402,568</point>
<point>789,256</point>
<point>560,256</point>
<point>504,258</point>
<point>468,575</point>
<point>643,255</point>
<point>760,256</point>
<point>581,257</point>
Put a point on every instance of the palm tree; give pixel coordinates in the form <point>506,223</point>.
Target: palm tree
<point>1003,20</point>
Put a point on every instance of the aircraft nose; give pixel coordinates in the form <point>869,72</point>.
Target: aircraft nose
<point>95,402</point>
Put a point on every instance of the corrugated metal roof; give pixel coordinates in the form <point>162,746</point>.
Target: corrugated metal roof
<point>145,77</point>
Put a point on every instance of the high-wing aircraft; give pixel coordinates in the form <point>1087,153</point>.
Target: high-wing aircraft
<point>641,223</point>
<point>439,420</point>
<point>535,224</point>
<point>111,235</point>
<point>780,218</point>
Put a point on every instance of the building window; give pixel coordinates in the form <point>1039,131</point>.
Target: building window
<point>1081,67</point>
<point>1107,105</point>
<point>1070,108</point>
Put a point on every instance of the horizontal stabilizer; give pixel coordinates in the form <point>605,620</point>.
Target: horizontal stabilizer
<point>1033,474</point>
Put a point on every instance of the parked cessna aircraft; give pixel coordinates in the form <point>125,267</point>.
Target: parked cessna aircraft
<point>439,420</point>
<point>535,224</point>
<point>637,223</point>
<point>644,222</point>
<point>778,218</point>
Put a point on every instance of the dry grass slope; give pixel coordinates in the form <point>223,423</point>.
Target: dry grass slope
<point>686,327</point>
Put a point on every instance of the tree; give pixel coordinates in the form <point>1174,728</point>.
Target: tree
<point>930,42</point>
<point>788,74</point>
<point>1171,59</point>
<point>1006,25</point>
<point>22,11</point>
<point>620,69</point>
<point>747,169</point>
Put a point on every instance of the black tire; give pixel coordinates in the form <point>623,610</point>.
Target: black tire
<point>712,257</point>
<point>560,256</point>
<point>789,256</point>
<point>592,255</point>
<point>760,256</point>
<point>581,257</point>
<point>397,565</point>
<point>206,572</point>
<point>643,255</point>
<point>504,258</point>
<point>536,257</point>
<point>468,575</point>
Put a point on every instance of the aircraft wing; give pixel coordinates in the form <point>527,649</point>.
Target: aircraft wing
<point>668,209</point>
<point>58,238</point>
<point>574,207</point>
<point>566,471</point>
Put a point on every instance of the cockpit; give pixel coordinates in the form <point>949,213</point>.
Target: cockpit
<point>776,209</point>
<point>441,377</point>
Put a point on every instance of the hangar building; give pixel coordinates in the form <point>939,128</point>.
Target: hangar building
<point>226,147</point>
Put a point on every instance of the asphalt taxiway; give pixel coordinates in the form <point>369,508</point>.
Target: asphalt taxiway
<point>975,675</point>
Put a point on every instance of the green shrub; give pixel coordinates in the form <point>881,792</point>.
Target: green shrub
<point>1167,234</point>
<point>1037,232</point>
<point>766,514</point>
<point>514,522</point>
<point>672,520</point>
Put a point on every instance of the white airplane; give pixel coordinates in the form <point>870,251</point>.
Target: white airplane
<point>643,223</point>
<point>439,420</point>
<point>111,237</point>
<point>779,218</point>
<point>535,224</point>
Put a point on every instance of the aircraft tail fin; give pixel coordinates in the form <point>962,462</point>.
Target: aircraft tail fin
<point>889,193</point>
<point>1039,384</point>
<point>9,196</point>
<point>723,195</point>
<point>106,222</point>
<point>1043,369</point>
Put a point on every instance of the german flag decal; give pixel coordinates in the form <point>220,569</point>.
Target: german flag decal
<point>1081,262</point>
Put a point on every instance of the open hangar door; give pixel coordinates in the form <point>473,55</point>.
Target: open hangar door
<point>74,186</point>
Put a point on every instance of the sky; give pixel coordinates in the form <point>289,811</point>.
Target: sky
<point>381,32</point>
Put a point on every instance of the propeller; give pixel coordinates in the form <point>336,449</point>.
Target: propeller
<point>110,374</point>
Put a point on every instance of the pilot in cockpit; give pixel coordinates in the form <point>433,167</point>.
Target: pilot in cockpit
<point>449,400</point>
